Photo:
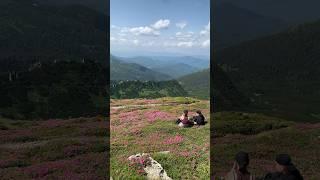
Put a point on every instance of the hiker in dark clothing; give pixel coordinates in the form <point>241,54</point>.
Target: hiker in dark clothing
<point>239,170</point>
<point>285,170</point>
<point>199,119</point>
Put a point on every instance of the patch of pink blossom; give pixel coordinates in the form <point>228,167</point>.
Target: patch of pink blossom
<point>52,123</point>
<point>149,101</point>
<point>185,153</point>
<point>152,116</point>
<point>73,150</point>
<point>173,140</point>
<point>129,116</point>
<point>114,111</point>
<point>139,163</point>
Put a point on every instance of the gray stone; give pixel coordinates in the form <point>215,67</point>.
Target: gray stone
<point>153,169</point>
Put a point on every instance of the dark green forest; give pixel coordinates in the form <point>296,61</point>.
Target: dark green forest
<point>279,73</point>
<point>48,33</point>
<point>145,89</point>
<point>54,90</point>
<point>53,61</point>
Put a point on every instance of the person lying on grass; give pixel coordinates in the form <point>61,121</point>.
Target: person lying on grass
<point>239,170</point>
<point>183,121</point>
<point>284,169</point>
<point>199,119</point>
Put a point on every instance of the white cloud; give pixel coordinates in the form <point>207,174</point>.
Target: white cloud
<point>124,30</point>
<point>161,24</point>
<point>135,42</point>
<point>203,32</point>
<point>144,31</point>
<point>206,30</point>
<point>151,43</point>
<point>206,43</point>
<point>185,44</point>
<point>114,27</point>
<point>112,38</point>
<point>208,26</point>
<point>181,25</point>
<point>169,44</point>
<point>184,36</point>
<point>122,34</point>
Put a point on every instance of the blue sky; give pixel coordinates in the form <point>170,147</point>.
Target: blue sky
<point>142,27</point>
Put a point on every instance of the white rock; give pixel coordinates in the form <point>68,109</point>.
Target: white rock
<point>153,169</point>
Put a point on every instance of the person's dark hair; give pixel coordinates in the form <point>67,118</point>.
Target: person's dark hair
<point>285,160</point>
<point>242,158</point>
<point>185,111</point>
<point>198,111</point>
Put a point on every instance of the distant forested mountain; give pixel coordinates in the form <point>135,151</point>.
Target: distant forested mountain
<point>197,84</point>
<point>176,70</point>
<point>200,63</point>
<point>101,6</point>
<point>226,95</point>
<point>294,11</point>
<point>173,66</point>
<point>234,24</point>
<point>53,60</point>
<point>145,89</point>
<point>31,31</point>
<point>121,70</point>
<point>282,71</point>
<point>159,61</point>
<point>54,90</point>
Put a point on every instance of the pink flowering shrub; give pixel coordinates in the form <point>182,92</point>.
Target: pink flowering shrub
<point>185,153</point>
<point>148,101</point>
<point>73,150</point>
<point>173,140</point>
<point>152,116</point>
<point>129,116</point>
<point>21,135</point>
<point>139,163</point>
<point>52,123</point>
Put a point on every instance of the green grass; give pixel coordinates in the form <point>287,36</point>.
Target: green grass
<point>141,136</point>
<point>246,123</point>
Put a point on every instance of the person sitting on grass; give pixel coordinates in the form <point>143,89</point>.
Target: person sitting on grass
<point>284,169</point>
<point>239,170</point>
<point>183,121</point>
<point>199,119</point>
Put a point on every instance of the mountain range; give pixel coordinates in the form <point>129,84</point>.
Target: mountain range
<point>121,70</point>
<point>292,11</point>
<point>280,72</point>
<point>173,66</point>
<point>234,24</point>
<point>33,32</point>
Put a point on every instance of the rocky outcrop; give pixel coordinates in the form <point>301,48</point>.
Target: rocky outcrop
<point>153,169</point>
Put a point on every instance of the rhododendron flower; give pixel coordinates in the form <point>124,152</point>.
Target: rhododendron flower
<point>175,140</point>
<point>152,116</point>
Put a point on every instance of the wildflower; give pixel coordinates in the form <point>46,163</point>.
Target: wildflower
<point>175,140</point>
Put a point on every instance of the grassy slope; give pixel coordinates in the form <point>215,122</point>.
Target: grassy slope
<point>283,68</point>
<point>53,149</point>
<point>121,70</point>
<point>188,159</point>
<point>197,84</point>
